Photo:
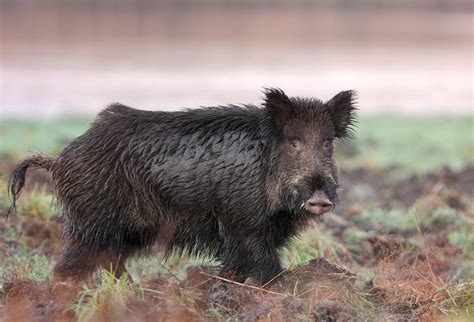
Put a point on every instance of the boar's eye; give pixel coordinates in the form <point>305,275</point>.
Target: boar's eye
<point>327,145</point>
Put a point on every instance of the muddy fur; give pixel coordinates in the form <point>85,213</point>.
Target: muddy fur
<point>229,181</point>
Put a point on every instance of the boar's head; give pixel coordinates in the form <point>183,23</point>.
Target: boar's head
<point>303,176</point>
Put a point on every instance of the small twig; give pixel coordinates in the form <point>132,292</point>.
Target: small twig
<point>305,292</point>
<point>426,279</point>
<point>437,287</point>
<point>151,290</point>
<point>283,271</point>
<point>444,288</point>
<point>202,283</point>
<point>243,285</point>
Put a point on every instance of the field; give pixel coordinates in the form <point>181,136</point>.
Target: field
<point>400,246</point>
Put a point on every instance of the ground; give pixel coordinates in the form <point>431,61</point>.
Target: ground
<point>398,247</point>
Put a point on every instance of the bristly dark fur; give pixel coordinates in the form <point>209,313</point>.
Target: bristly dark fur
<point>226,180</point>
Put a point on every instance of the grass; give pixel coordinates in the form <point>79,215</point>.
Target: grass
<point>23,263</point>
<point>108,299</point>
<point>420,143</point>
<point>151,266</point>
<point>314,242</point>
<point>390,220</point>
<point>20,137</point>
<point>38,203</point>
<point>463,238</point>
<point>19,260</point>
<point>456,298</point>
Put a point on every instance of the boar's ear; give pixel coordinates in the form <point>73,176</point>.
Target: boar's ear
<point>278,106</point>
<point>343,113</point>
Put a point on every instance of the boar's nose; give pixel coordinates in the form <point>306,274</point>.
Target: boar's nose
<point>318,206</point>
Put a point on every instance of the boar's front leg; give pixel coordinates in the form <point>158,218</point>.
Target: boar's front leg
<point>249,256</point>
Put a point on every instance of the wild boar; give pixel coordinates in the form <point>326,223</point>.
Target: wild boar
<point>235,182</point>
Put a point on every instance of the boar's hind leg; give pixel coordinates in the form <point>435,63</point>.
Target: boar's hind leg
<point>76,262</point>
<point>80,259</point>
<point>250,257</point>
<point>79,262</point>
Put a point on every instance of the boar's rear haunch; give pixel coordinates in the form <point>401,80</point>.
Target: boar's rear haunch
<point>236,182</point>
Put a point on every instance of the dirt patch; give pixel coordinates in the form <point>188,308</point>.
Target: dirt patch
<point>317,289</point>
<point>382,247</point>
<point>37,301</point>
<point>317,280</point>
<point>34,232</point>
<point>406,285</point>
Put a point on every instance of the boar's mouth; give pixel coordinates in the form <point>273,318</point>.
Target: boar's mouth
<point>318,204</point>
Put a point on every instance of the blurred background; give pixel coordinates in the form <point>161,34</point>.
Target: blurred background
<point>74,57</point>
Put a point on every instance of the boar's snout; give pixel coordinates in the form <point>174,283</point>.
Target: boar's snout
<point>318,204</point>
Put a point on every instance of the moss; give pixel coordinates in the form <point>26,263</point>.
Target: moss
<point>463,237</point>
<point>391,219</point>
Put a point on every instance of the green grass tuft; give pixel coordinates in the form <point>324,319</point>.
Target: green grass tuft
<point>25,264</point>
<point>456,299</point>
<point>317,241</point>
<point>463,237</point>
<point>387,219</point>
<point>108,299</point>
<point>38,202</point>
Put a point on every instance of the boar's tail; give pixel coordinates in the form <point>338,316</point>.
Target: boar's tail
<point>17,177</point>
